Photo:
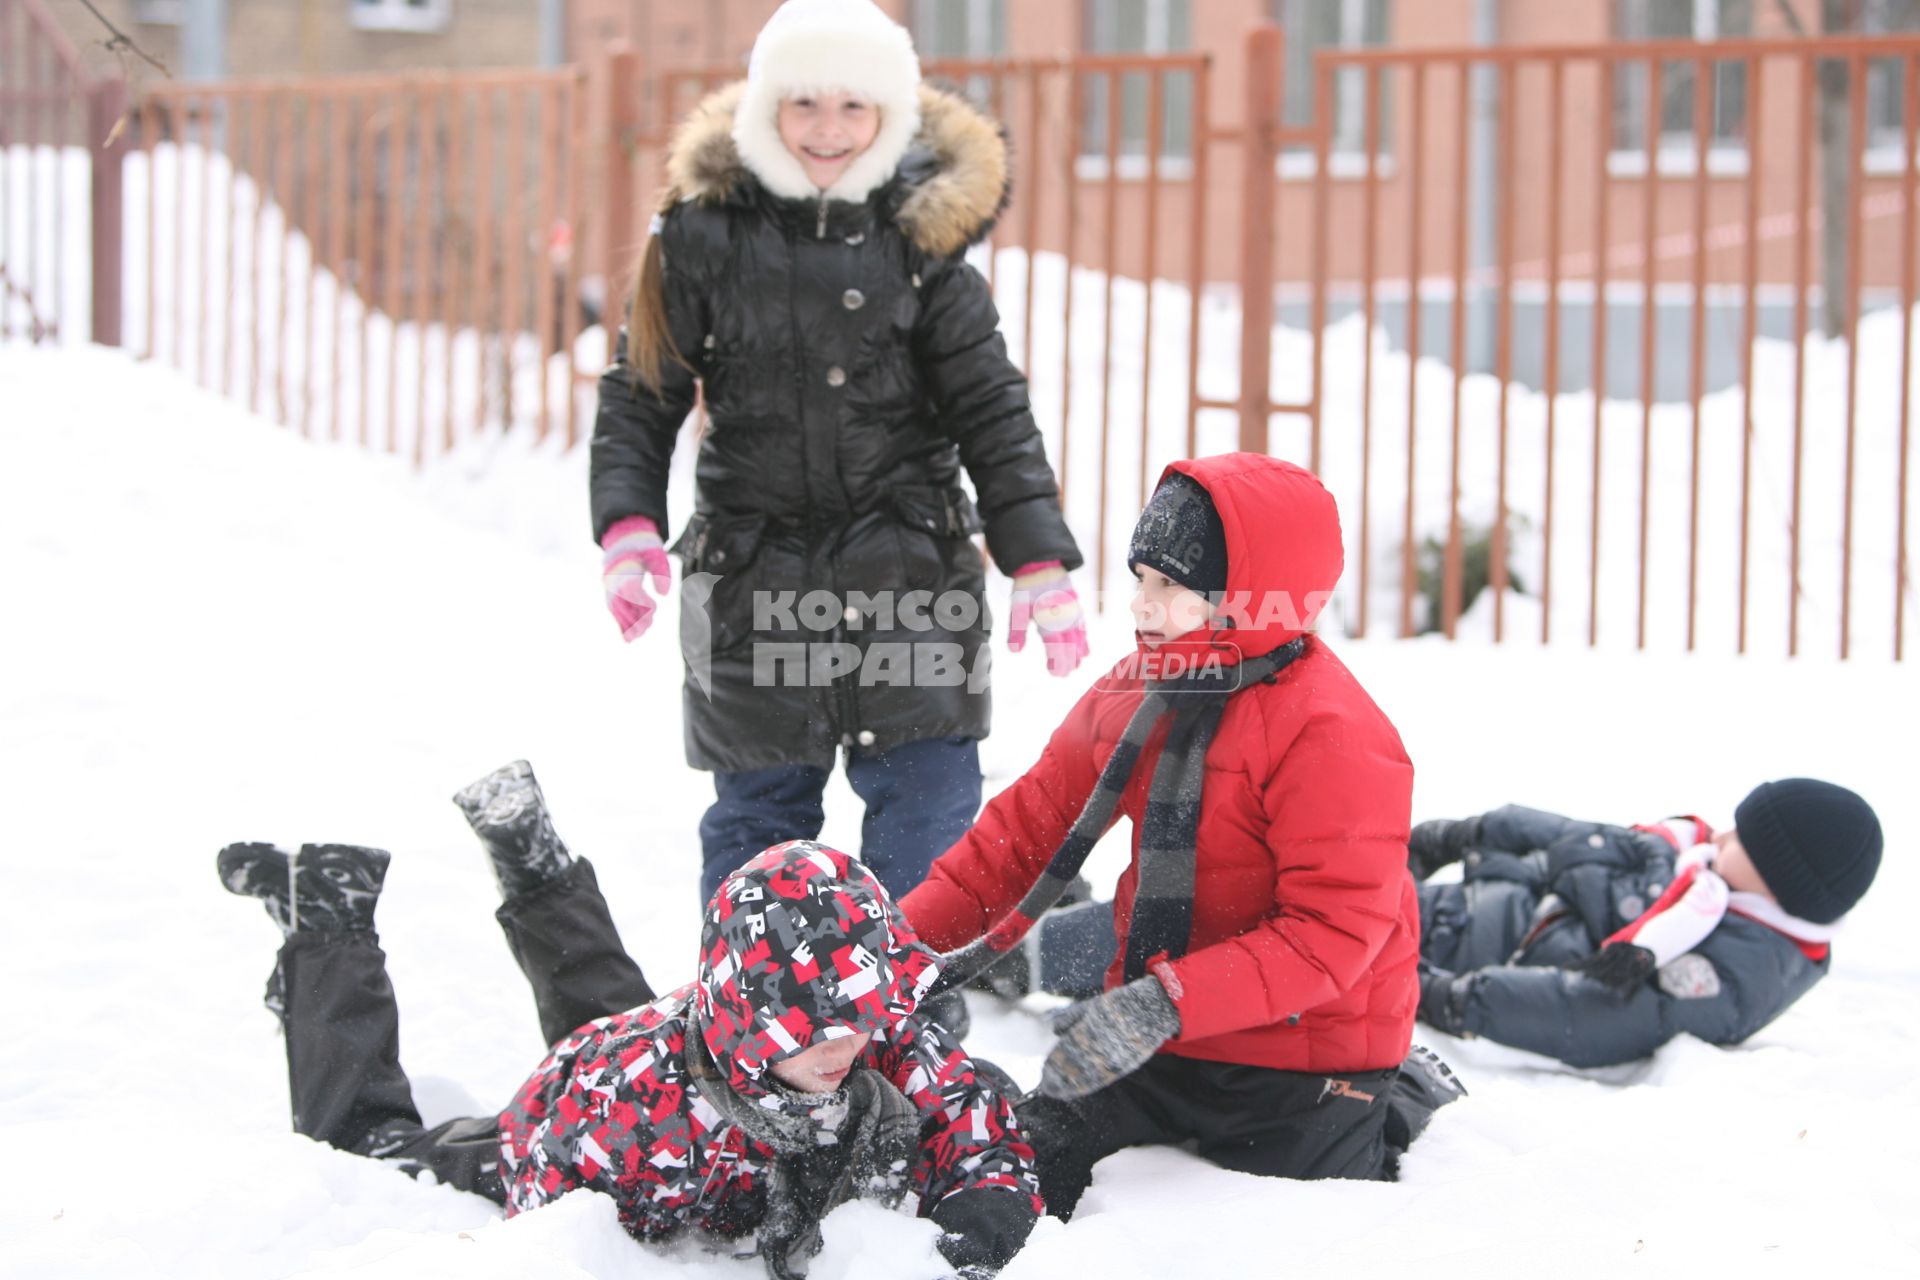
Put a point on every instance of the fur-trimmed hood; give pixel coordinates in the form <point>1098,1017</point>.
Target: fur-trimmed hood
<point>950,186</point>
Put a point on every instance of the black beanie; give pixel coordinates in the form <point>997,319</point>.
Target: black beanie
<point>1816,845</point>
<point>1180,534</point>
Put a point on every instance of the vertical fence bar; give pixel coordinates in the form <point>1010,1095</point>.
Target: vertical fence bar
<point>231,117</point>
<point>150,140</point>
<point>282,394</point>
<point>452,262</point>
<point>339,213</point>
<point>261,152</point>
<point>995,94</point>
<point>482,297</point>
<point>1156,108</point>
<point>1030,215</point>
<point>8,113</point>
<point>1202,125</point>
<point>176,109</point>
<point>513,251</point>
<point>1649,317</point>
<point>1603,314</point>
<point>1323,73</point>
<point>367,109</point>
<point>1416,130</point>
<point>543,263</point>
<point>1450,589</point>
<point>58,121</point>
<point>1703,73</point>
<point>309,225</point>
<point>1110,223</point>
<point>1803,214</point>
<point>1856,201</point>
<point>1503,350</point>
<point>1263,108</point>
<point>1556,118</point>
<point>1750,270</point>
<point>1372,81</point>
<point>1909,121</point>
<point>203,318</point>
<point>1070,164</point>
<point>392,265</point>
<point>425,169</point>
<point>30,116</point>
<point>107,139</point>
<point>570,296</point>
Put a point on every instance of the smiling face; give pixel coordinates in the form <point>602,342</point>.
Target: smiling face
<point>1163,610</point>
<point>822,1066</point>
<point>826,132</point>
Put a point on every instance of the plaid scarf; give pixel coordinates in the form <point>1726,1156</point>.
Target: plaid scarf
<point>1163,903</point>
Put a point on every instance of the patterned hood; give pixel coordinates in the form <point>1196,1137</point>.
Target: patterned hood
<point>802,943</point>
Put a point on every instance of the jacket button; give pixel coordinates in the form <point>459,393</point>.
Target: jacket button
<point>866,737</point>
<point>853,299</point>
<point>851,613</point>
<point>857,238</point>
<point>836,377</point>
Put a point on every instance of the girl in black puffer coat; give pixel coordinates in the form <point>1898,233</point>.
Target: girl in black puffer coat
<point>806,273</point>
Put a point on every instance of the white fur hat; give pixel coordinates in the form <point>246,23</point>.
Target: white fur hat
<point>817,46</point>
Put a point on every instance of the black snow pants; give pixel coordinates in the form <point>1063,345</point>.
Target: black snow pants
<point>343,1028</point>
<point>1280,1124</point>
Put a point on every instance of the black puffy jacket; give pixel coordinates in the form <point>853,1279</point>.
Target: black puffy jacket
<point>851,365</point>
<point>1540,890</point>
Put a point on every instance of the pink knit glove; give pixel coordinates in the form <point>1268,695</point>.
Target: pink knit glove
<point>1044,594</point>
<point>634,553</point>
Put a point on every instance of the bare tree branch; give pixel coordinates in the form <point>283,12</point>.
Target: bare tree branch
<point>1792,19</point>
<point>121,44</point>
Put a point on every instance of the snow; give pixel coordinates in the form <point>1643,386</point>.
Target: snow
<point>220,632</point>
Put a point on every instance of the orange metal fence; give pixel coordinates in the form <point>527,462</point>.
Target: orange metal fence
<point>1707,191</point>
<point>1541,317</point>
<point>60,199</point>
<point>384,259</point>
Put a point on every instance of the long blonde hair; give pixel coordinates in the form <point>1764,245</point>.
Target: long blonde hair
<point>649,338</point>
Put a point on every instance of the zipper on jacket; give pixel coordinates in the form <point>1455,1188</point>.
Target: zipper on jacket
<point>820,226</point>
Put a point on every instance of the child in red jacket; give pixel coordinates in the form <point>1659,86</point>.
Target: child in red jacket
<point>1262,999</point>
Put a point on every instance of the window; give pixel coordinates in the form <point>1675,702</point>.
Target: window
<point>1887,86</point>
<point>1312,25</point>
<point>1139,26</point>
<point>400,15</point>
<point>160,12</point>
<point>960,28</point>
<point>1727,98</point>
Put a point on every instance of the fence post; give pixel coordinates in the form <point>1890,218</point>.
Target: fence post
<point>623,134</point>
<point>1264,98</point>
<point>107,143</point>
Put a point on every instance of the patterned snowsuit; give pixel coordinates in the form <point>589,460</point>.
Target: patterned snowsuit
<point>801,943</point>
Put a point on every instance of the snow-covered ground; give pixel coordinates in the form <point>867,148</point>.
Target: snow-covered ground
<point>220,632</point>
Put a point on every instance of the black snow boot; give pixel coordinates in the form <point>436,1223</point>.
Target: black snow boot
<point>320,888</point>
<point>1423,1085</point>
<point>508,813</point>
<point>1440,842</point>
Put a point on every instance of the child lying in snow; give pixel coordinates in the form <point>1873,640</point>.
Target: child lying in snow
<point>1597,944</point>
<point>792,1075</point>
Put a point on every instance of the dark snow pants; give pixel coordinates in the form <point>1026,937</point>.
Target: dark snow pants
<point>1280,1124</point>
<point>1475,924</point>
<point>921,797</point>
<point>343,1028</point>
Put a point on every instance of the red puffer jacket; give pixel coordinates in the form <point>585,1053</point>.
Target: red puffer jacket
<point>1306,926</point>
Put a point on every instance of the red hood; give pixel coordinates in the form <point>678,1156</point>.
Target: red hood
<point>1284,553</point>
